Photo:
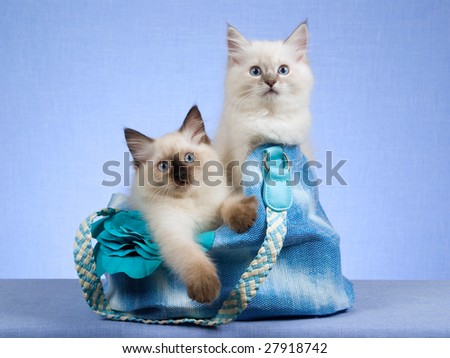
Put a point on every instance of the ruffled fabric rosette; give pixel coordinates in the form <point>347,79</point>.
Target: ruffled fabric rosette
<point>124,244</point>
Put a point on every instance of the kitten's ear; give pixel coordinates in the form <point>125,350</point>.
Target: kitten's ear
<point>299,39</point>
<point>194,127</point>
<point>236,44</point>
<point>138,144</point>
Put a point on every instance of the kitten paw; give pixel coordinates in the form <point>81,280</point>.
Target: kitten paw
<point>244,214</point>
<point>203,284</point>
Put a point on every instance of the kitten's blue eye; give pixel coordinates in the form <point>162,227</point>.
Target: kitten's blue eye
<point>163,166</point>
<point>255,71</point>
<point>189,158</point>
<point>283,70</point>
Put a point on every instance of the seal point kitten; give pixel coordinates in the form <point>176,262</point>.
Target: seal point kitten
<point>169,189</point>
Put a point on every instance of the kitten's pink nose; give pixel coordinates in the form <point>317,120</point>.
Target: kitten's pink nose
<point>270,82</point>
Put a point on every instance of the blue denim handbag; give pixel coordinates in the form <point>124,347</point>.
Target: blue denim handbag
<point>287,265</point>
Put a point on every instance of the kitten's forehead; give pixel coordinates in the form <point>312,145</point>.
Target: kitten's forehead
<point>269,53</point>
<point>166,147</point>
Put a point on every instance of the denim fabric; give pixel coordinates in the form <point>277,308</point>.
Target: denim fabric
<point>305,281</point>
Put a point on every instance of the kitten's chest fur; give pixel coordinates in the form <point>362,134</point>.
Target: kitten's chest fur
<point>242,132</point>
<point>198,211</point>
<point>203,209</point>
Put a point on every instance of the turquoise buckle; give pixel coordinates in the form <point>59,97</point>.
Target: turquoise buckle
<point>277,190</point>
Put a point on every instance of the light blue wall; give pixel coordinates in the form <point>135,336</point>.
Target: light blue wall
<point>74,73</point>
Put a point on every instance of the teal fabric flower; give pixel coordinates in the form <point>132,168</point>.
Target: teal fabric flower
<point>124,244</point>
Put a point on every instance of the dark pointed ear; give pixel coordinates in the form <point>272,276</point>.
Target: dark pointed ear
<point>194,127</point>
<point>138,144</point>
<point>299,39</point>
<point>236,44</point>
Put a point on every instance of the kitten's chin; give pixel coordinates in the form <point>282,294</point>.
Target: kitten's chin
<point>180,190</point>
<point>271,99</point>
<point>271,94</point>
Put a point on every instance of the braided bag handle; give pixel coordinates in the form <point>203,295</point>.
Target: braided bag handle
<point>238,300</point>
<point>83,254</point>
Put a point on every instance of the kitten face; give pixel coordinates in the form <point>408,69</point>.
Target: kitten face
<point>268,73</point>
<point>172,165</point>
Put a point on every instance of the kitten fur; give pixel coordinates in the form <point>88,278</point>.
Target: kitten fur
<point>270,108</point>
<point>183,205</point>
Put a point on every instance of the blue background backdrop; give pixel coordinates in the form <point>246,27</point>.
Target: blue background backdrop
<point>74,73</point>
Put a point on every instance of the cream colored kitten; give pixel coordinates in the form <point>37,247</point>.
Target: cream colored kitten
<point>267,94</point>
<point>169,189</point>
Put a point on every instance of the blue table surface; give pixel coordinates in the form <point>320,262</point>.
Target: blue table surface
<point>56,308</point>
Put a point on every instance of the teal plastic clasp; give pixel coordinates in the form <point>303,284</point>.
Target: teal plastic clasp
<point>277,191</point>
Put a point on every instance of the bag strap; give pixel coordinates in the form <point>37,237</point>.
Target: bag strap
<point>237,301</point>
<point>83,255</point>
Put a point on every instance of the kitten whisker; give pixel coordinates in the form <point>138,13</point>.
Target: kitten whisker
<point>154,195</point>
<point>242,99</point>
